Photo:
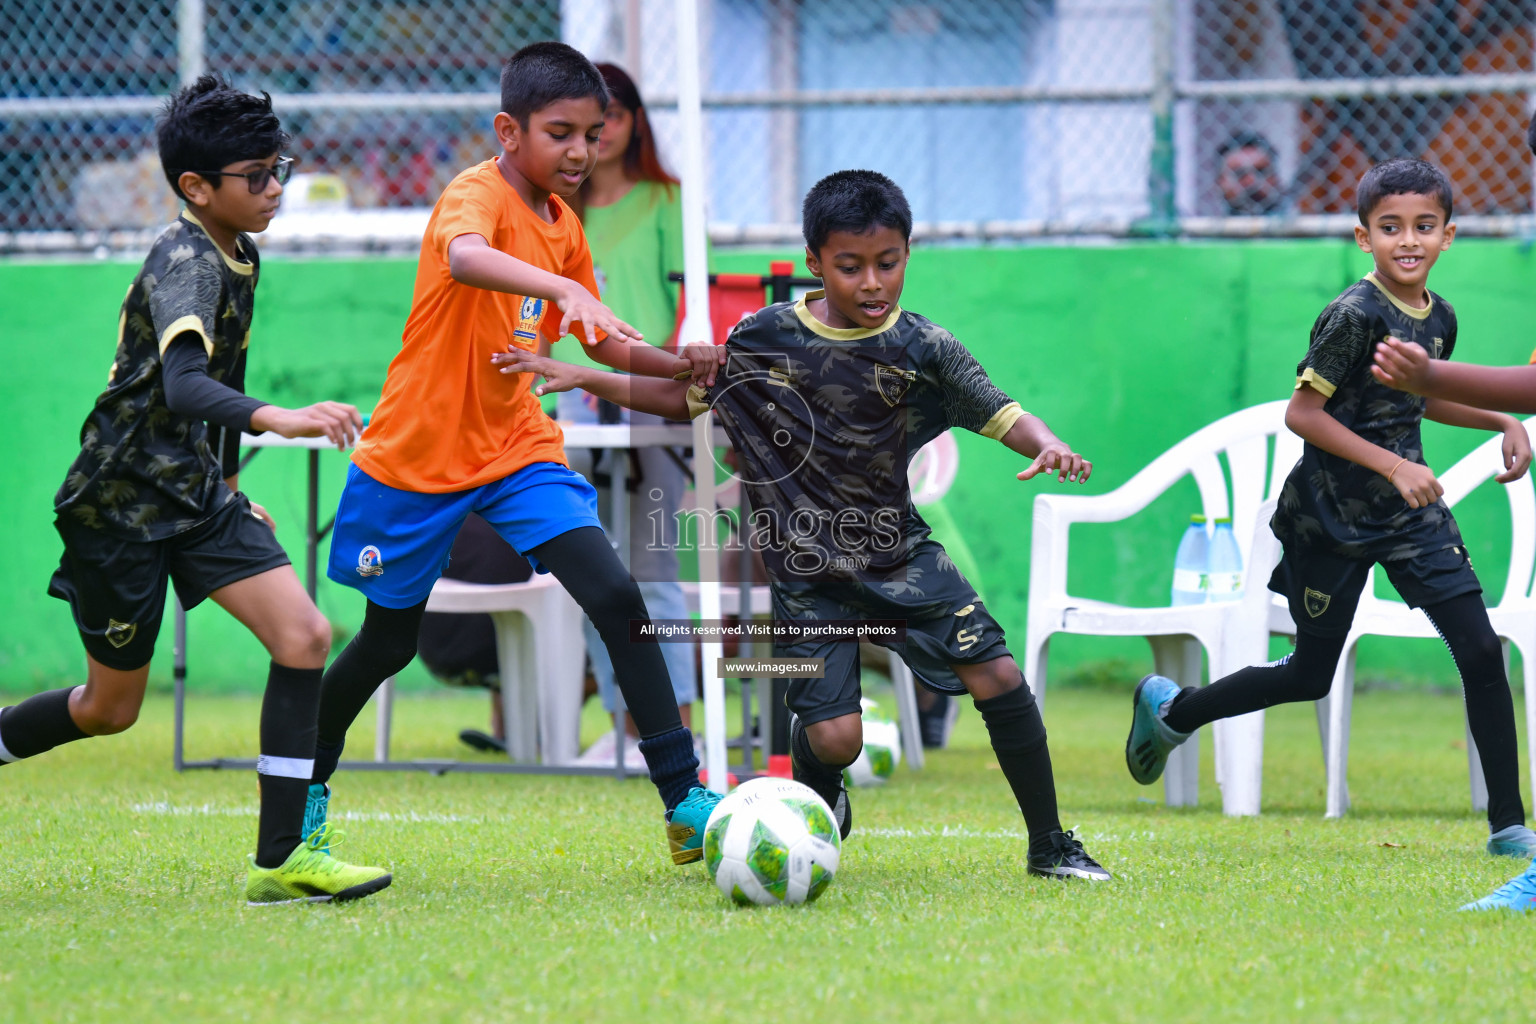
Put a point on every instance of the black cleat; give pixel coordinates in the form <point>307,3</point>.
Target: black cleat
<point>827,783</point>
<point>1066,859</point>
<point>482,741</point>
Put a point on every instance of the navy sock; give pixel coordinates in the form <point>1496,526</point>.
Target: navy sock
<point>36,725</point>
<point>1018,740</point>
<point>673,765</point>
<point>287,761</point>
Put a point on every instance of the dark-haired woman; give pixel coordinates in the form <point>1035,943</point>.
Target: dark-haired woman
<point>631,210</point>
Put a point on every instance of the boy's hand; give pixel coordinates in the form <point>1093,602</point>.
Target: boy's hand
<point>1402,365</point>
<point>338,421</point>
<point>1517,452</point>
<point>260,512</point>
<point>1059,459</point>
<point>578,304</point>
<point>1417,484</point>
<point>557,376</point>
<point>704,361</point>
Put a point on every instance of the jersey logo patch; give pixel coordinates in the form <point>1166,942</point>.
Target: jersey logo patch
<point>120,634</point>
<point>529,316</point>
<point>892,383</point>
<point>370,562</point>
<point>1315,602</point>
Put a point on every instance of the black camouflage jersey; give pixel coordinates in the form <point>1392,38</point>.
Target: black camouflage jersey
<point>824,421</point>
<point>144,472</point>
<point>1331,503</point>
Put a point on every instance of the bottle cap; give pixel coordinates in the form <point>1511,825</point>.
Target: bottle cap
<point>1199,520</point>
<point>1224,519</point>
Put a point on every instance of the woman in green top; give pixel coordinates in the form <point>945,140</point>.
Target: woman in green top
<point>631,210</point>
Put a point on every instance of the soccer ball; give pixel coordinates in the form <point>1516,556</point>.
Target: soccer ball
<point>772,841</point>
<point>881,753</point>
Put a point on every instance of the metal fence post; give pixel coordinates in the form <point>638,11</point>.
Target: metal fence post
<point>190,62</point>
<point>1160,185</point>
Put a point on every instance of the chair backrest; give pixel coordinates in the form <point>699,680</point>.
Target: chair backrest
<point>932,470</point>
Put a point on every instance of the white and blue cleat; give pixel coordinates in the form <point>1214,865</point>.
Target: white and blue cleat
<point>1519,893</point>
<point>1151,740</point>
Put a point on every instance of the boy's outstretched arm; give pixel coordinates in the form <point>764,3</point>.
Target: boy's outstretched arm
<point>1407,367</point>
<point>1031,438</point>
<point>472,261</point>
<point>1517,445</point>
<point>665,398</point>
<point>1307,418</point>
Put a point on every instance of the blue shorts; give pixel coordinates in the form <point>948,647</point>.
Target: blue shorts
<point>393,544</point>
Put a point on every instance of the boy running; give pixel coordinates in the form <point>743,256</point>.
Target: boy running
<point>1362,494</point>
<point>451,436</point>
<point>824,400</point>
<point>148,498</point>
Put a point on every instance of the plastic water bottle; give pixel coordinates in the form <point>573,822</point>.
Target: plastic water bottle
<point>1225,573</point>
<point>1190,564</point>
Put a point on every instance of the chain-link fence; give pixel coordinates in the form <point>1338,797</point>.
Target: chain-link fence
<point>1000,118</point>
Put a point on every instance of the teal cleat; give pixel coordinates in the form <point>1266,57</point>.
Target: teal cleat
<point>1514,841</point>
<point>1150,740</point>
<point>685,824</point>
<point>1519,893</point>
<point>315,807</point>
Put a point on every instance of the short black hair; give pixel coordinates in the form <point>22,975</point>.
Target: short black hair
<point>856,201</point>
<point>210,124</point>
<point>1247,140</point>
<point>1398,178</point>
<point>543,73</point>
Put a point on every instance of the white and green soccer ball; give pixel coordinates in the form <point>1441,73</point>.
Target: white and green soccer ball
<point>772,841</point>
<point>882,750</point>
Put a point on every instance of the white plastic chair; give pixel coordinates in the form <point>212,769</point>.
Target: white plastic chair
<point>539,651</point>
<point>1514,620</point>
<point>1259,452</point>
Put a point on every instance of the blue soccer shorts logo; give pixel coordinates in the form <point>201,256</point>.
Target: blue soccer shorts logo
<point>370,562</point>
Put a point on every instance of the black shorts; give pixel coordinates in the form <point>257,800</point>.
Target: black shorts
<point>946,625</point>
<point>1324,588</point>
<point>116,587</point>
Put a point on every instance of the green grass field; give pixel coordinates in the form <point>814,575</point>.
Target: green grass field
<point>520,898</point>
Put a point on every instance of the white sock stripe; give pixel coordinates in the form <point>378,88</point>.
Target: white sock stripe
<point>6,756</point>
<point>286,767</point>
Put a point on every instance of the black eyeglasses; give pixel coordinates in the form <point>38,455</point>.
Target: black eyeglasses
<point>257,180</point>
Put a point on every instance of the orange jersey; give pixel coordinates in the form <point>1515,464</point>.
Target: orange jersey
<point>448,419</point>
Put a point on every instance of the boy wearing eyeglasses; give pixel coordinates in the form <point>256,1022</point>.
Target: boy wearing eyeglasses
<point>153,494</point>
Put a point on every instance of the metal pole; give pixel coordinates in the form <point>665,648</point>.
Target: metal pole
<point>312,525</point>
<point>1160,191</point>
<point>189,40</point>
<point>695,330</point>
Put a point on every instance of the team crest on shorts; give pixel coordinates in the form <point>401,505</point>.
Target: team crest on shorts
<point>529,316</point>
<point>1315,602</point>
<point>370,562</point>
<point>892,383</point>
<point>120,634</point>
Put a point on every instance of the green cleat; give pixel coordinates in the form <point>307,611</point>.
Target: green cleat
<point>312,875</point>
<point>685,825</point>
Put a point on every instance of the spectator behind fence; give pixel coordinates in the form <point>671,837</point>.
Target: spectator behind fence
<point>459,649</point>
<point>631,210</point>
<point>1249,176</point>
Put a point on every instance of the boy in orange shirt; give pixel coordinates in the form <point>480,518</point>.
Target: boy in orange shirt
<point>503,264</point>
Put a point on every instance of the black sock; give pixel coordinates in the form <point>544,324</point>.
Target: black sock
<point>288,712</point>
<point>825,779</point>
<point>673,765</point>
<point>1462,623</point>
<point>586,566</point>
<point>1304,674</point>
<point>36,725</point>
<point>1018,740</point>
<point>384,645</point>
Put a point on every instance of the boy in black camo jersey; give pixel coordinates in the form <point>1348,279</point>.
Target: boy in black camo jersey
<point>1362,495</point>
<point>825,400</point>
<point>150,498</point>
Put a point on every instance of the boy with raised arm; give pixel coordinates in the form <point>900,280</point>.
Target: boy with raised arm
<point>1362,495</point>
<point>151,499</point>
<point>824,400</point>
<point>504,264</point>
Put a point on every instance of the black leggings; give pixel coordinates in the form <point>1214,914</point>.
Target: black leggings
<point>1307,674</point>
<point>585,564</point>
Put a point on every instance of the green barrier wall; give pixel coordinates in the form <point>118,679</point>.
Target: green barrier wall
<point>1123,349</point>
